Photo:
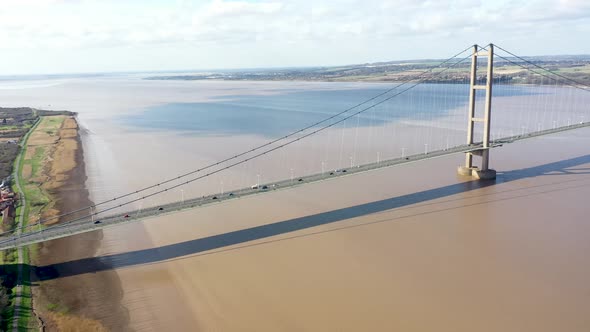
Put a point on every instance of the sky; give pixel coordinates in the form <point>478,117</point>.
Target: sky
<point>86,36</point>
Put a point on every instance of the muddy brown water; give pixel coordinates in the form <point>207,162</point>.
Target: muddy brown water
<point>410,248</point>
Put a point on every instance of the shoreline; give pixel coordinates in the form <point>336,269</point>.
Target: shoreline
<point>84,303</point>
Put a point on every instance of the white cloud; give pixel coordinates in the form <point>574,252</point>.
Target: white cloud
<point>312,29</point>
<point>219,8</point>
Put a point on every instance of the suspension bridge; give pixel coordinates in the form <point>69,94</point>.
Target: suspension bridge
<point>464,86</point>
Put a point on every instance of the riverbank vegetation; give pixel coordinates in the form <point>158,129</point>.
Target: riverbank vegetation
<point>33,169</point>
<point>14,124</point>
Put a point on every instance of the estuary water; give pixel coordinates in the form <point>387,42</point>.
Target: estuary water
<point>280,114</point>
<point>408,248</point>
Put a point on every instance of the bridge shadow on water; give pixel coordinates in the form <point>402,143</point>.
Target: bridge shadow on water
<point>222,241</point>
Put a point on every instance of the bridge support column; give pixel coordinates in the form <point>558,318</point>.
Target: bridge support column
<point>483,173</point>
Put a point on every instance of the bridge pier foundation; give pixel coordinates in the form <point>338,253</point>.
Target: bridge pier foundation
<point>466,171</point>
<point>476,173</point>
<point>488,174</point>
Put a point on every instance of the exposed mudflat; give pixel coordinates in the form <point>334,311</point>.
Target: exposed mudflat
<point>92,302</point>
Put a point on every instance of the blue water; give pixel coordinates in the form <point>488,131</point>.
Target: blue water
<point>276,115</point>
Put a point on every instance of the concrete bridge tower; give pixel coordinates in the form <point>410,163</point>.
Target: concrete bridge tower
<point>484,173</point>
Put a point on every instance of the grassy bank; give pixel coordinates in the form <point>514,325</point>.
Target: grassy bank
<point>11,258</point>
<point>31,173</point>
<point>33,167</point>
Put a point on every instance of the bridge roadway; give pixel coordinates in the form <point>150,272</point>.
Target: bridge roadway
<point>87,224</point>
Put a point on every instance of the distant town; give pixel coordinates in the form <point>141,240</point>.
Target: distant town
<point>507,70</point>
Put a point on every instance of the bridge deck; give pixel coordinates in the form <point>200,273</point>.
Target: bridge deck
<point>87,225</point>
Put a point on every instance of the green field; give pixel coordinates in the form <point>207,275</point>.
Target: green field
<point>37,200</point>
